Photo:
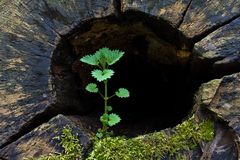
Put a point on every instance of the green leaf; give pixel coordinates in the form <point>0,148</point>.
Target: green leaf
<point>113,56</point>
<point>122,93</point>
<point>92,87</point>
<point>102,75</point>
<point>90,59</point>
<point>107,56</point>
<point>104,119</point>
<point>109,108</point>
<point>113,119</point>
<point>101,56</point>
<point>99,135</point>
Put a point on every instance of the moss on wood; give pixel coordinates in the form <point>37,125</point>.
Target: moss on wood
<point>185,137</point>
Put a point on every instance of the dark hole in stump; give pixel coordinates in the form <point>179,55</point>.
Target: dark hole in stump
<point>154,68</point>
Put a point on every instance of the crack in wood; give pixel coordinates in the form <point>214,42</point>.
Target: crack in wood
<point>214,28</point>
<point>36,121</point>
<point>184,14</point>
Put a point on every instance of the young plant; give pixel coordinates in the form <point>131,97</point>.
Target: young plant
<point>103,59</point>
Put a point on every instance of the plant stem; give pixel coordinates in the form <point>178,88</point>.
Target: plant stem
<point>101,95</point>
<point>105,104</point>
<point>112,96</point>
<point>105,97</point>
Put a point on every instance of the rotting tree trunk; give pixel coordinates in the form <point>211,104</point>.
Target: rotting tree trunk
<point>30,31</point>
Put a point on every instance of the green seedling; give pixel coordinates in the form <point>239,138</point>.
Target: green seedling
<point>102,60</point>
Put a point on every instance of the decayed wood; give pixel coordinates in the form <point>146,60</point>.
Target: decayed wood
<point>203,16</point>
<point>29,32</point>
<point>170,10</point>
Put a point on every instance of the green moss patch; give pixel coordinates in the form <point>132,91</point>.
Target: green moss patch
<point>172,144</point>
<point>185,137</point>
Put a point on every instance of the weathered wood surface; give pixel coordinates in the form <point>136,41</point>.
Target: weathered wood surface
<point>222,98</point>
<point>204,16</point>
<point>29,32</point>
<point>42,140</point>
<point>170,10</point>
<point>226,106</point>
<point>221,49</point>
<point>226,102</point>
<point>25,54</point>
